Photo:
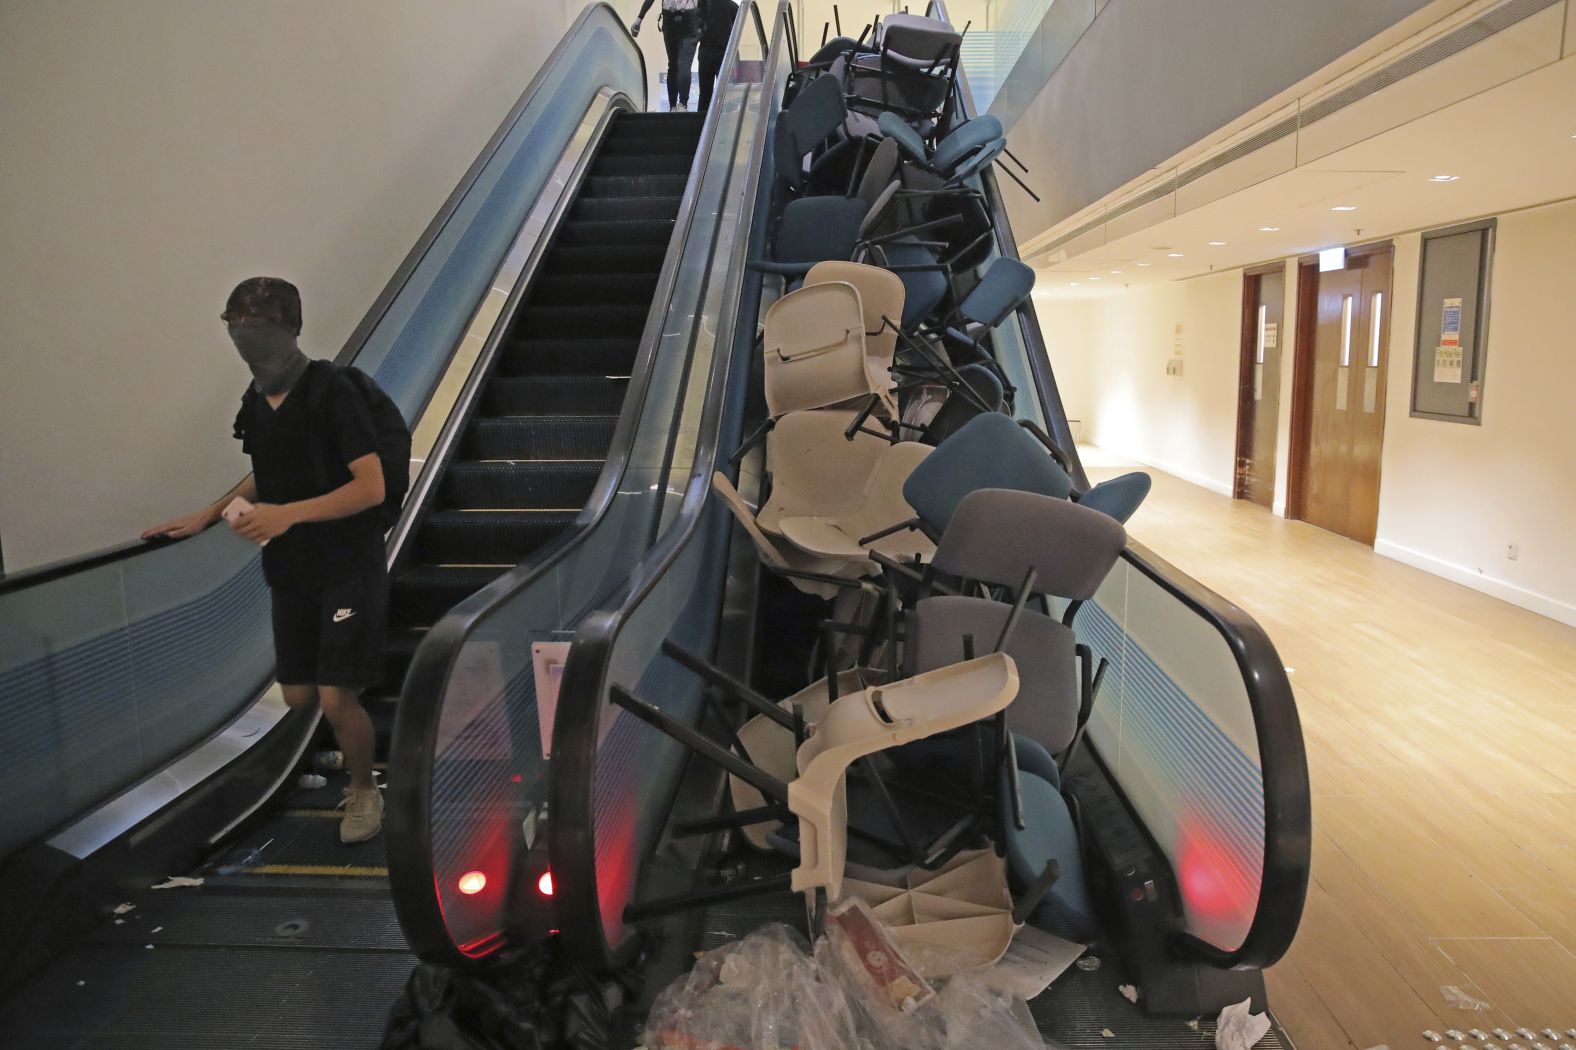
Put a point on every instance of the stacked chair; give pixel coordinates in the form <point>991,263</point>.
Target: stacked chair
<point>922,768</point>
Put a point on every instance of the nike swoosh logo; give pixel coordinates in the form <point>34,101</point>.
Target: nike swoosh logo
<point>343,614</point>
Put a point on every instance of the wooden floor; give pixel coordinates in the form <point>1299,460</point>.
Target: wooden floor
<point>1441,734</point>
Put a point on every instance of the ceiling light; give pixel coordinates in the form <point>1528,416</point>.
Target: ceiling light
<point>1174,255</point>
<point>1217,244</point>
<point>1116,271</point>
<point>1269,229</point>
<point>1072,284</point>
<point>1143,264</point>
<point>1344,207</point>
<point>1443,178</point>
<point>1094,278</point>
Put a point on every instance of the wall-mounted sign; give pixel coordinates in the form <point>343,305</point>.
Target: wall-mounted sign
<point>1447,364</point>
<point>1332,259</point>
<point>1271,335</point>
<point>1452,322</point>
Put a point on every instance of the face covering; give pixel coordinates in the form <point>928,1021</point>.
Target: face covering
<point>270,351</point>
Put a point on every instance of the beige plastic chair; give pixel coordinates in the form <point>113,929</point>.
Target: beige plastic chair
<point>836,535</point>
<point>815,350</point>
<point>881,295</point>
<point>771,746</point>
<point>815,469</point>
<point>785,558</point>
<point>871,720</point>
<point>946,921</point>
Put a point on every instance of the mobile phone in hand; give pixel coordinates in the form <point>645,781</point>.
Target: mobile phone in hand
<point>235,508</point>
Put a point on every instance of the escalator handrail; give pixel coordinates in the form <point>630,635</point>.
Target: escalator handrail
<point>585,673</point>
<point>1287,812</point>
<point>411,859</point>
<point>17,581</point>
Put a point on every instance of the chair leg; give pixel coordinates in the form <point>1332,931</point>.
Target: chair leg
<point>748,772</point>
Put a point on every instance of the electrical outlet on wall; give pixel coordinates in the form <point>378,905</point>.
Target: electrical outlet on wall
<point>1512,550</point>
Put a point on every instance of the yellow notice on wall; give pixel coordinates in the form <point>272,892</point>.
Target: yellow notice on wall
<point>1447,364</point>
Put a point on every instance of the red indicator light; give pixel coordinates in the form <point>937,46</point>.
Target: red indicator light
<point>472,882</point>
<point>544,885</point>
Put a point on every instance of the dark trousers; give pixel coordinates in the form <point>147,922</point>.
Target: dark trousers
<point>681,55</point>
<point>710,65</point>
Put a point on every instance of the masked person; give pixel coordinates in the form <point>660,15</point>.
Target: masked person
<point>680,25</point>
<point>717,25</point>
<point>315,495</point>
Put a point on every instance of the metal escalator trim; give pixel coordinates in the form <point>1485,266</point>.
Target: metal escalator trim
<point>355,871</point>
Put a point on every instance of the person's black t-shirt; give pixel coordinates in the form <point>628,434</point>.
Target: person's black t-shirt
<point>306,557</point>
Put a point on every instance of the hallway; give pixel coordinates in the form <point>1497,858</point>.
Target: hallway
<point>1441,735</point>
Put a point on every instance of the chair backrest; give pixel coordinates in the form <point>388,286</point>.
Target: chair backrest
<point>968,137</point>
<point>918,42</point>
<point>997,535</point>
<point>816,470</point>
<point>924,289</point>
<point>816,112</point>
<point>957,410</point>
<point>817,228</point>
<point>990,451</point>
<point>903,136</point>
<point>815,348</point>
<point>1118,497</point>
<point>1002,290</point>
<point>978,160</point>
<point>880,171</point>
<point>881,294</point>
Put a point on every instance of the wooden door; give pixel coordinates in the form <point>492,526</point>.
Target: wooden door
<point>1258,395</point>
<point>1343,378</point>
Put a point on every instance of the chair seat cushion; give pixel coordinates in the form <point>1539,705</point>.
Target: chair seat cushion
<point>1049,834</point>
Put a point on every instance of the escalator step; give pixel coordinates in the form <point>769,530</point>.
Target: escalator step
<point>581,322</point>
<point>477,537</point>
<point>612,209</point>
<point>422,595</point>
<point>634,186</point>
<point>656,125</point>
<point>587,357</point>
<point>678,144</point>
<point>551,395</point>
<point>619,232</point>
<point>643,164</point>
<point>399,648</point>
<point>611,259</point>
<point>624,289</point>
<point>539,437</point>
<point>518,486</point>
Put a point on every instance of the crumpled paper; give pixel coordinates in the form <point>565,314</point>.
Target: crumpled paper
<point>1239,1028</point>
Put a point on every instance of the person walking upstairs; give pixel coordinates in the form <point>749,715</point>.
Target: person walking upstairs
<point>679,22</point>
<point>315,500</point>
<point>716,18</point>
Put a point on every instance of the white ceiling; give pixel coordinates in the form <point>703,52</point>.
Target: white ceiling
<point>1511,146</point>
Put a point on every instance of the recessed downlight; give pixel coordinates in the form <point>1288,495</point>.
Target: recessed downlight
<point>1344,207</point>
<point>1269,229</point>
<point>1094,278</point>
<point>1174,255</point>
<point>1072,284</point>
<point>1143,264</point>
<point>1443,178</point>
<point>1217,244</point>
<point>1116,271</point>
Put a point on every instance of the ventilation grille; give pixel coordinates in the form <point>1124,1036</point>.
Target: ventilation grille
<point>1452,43</point>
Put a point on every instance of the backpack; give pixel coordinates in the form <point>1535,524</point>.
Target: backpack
<point>393,435</point>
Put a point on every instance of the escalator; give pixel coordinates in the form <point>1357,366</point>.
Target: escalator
<point>538,438</point>
<point>282,936</point>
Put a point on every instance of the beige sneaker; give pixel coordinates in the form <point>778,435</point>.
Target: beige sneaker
<point>363,814</point>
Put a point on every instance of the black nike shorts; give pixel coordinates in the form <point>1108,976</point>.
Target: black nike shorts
<point>333,636</point>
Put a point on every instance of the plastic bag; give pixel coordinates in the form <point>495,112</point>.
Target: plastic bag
<point>769,992</point>
<point>766,992</point>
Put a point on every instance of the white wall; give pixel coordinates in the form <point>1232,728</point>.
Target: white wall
<point>157,152</point>
<point>1453,496</point>
<point>1183,424</point>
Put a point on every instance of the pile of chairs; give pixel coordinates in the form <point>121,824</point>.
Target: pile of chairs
<point>951,543</point>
